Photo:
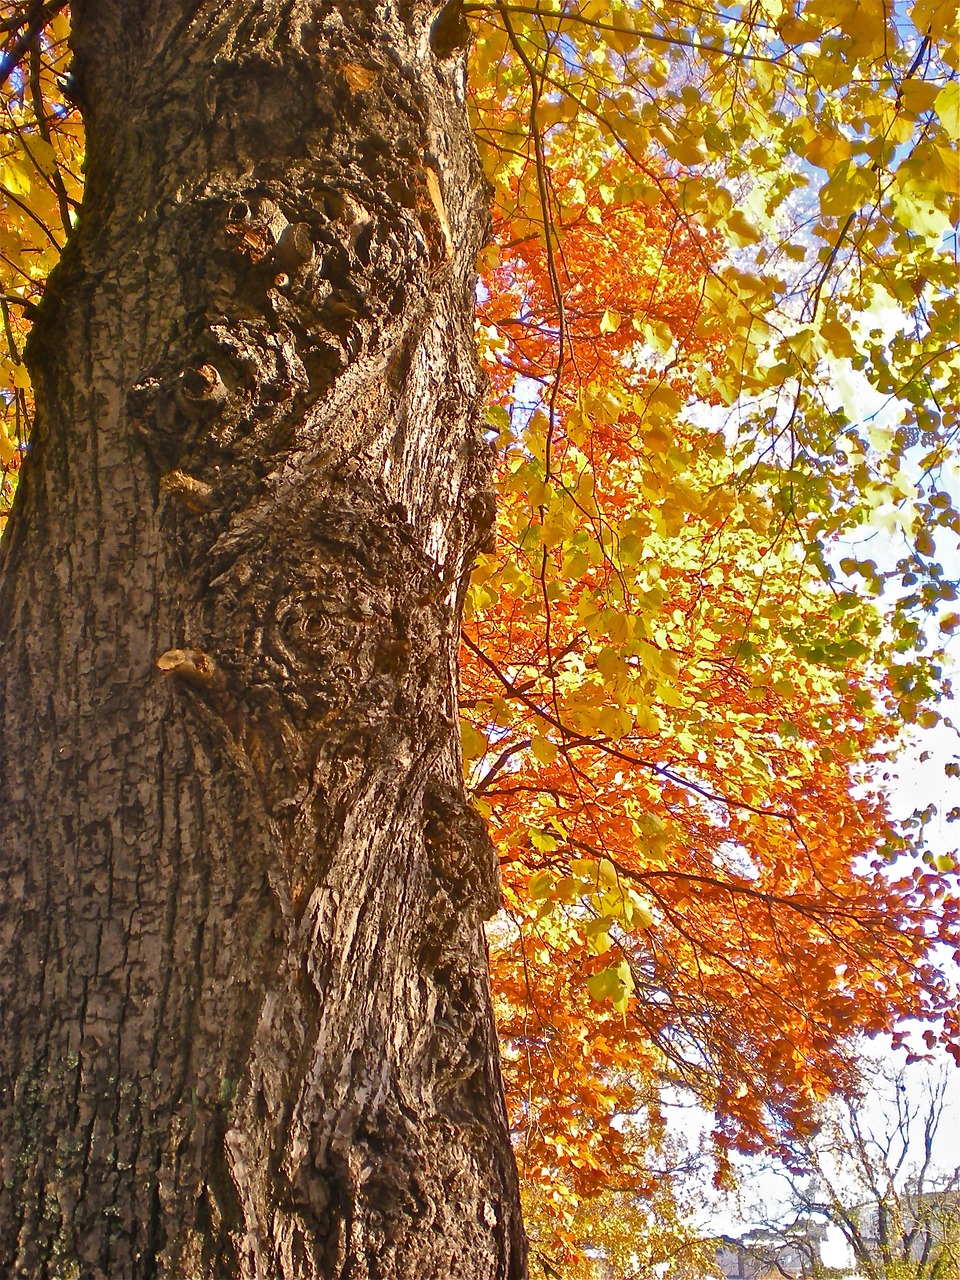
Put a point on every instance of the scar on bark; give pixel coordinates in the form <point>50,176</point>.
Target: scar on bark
<point>193,666</point>
<point>196,495</point>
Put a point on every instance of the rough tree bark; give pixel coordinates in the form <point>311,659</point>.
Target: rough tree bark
<point>246,1025</point>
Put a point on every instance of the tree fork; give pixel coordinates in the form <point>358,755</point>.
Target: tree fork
<point>246,1025</point>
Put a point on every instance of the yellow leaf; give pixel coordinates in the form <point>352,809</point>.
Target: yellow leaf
<point>555,530</point>
<point>949,159</point>
<point>607,873</point>
<point>916,208</point>
<point>947,107</point>
<point>839,338</point>
<point>939,17</point>
<point>540,885</point>
<point>615,722</point>
<point>14,176</point>
<point>690,152</point>
<point>741,230</point>
<point>804,346</point>
<point>624,41</point>
<point>42,154</point>
<point>642,915</point>
<point>575,564</point>
<point>796,31</point>
<point>846,191</point>
<point>719,203</point>
<point>658,336</point>
<point>670,696</point>
<point>610,321</point>
<point>544,750</point>
<point>605,985</point>
<point>8,450</point>
<point>598,939</point>
<point>543,841</point>
<point>828,152</point>
<point>649,195</point>
<point>918,96</point>
<point>474,743</point>
<point>637,138</point>
<point>665,398</point>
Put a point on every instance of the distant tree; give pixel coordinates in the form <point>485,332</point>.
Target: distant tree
<point>878,1182</point>
<point>761,1253</point>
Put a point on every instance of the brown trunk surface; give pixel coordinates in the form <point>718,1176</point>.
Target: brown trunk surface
<point>246,1025</point>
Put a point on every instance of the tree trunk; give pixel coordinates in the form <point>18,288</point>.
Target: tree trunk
<point>246,1019</point>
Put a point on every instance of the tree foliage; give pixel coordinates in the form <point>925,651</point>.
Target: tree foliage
<point>719,315</point>
<point>41,141</point>
<point>675,678</point>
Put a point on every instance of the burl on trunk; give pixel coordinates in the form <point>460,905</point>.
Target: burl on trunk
<point>246,1024</point>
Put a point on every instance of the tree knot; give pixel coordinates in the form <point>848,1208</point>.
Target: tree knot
<point>459,849</point>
